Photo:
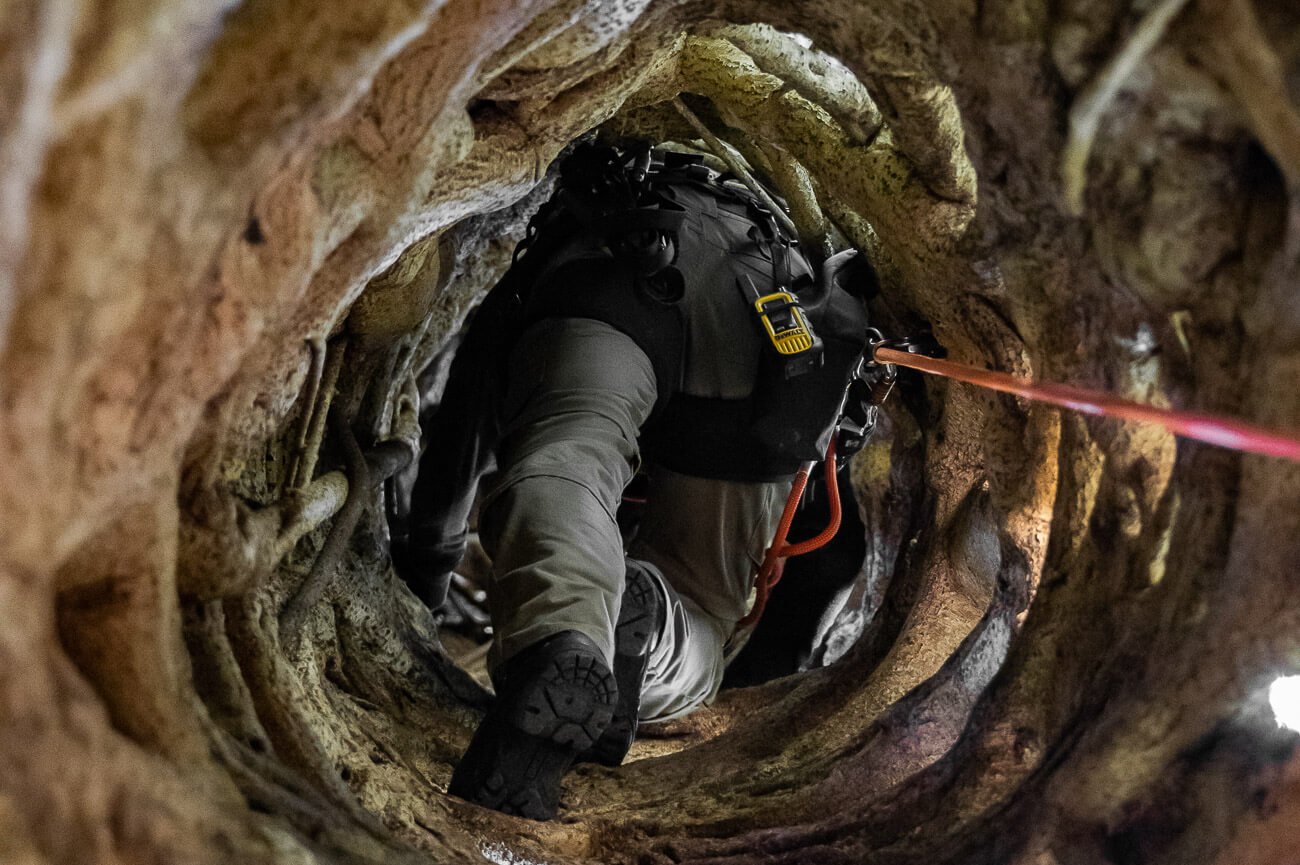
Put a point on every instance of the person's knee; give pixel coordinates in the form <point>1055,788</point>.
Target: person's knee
<point>572,367</point>
<point>687,664</point>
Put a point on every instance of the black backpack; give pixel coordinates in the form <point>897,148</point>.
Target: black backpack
<point>675,255</point>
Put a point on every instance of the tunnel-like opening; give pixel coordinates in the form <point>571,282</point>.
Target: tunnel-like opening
<point>831,596</point>
<point>219,399</point>
<point>752,96</point>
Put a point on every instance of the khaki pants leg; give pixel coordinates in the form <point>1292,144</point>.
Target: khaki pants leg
<point>702,541</point>
<point>579,392</point>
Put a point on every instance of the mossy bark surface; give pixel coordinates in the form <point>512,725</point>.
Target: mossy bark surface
<point>238,244</point>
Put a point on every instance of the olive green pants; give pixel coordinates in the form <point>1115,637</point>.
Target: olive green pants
<point>578,393</point>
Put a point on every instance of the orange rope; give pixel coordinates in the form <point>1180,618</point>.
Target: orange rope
<point>1214,429</point>
<point>832,490</point>
<point>772,560</point>
<point>773,567</point>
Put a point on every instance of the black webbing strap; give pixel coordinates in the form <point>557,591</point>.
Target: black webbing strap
<point>640,219</point>
<point>712,438</point>
<point>702,178</point>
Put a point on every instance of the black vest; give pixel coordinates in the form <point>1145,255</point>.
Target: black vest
<point>725,409</point>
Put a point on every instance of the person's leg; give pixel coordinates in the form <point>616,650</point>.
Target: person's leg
<point>460,441</point>
<point>703,540</point>
<point>457,454</point>
<point>811,593</point>
<point>579,391</point>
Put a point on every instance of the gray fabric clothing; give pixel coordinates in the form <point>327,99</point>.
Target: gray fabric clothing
<point>686,657</point>
<point>579,392</point>
<point>702,540</point>
<point>707,537</point>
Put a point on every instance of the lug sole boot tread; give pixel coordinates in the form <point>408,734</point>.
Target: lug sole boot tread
<point>638,620</point>
<point>531,736</point>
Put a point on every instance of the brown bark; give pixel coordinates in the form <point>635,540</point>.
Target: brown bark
<point>1069,622</point>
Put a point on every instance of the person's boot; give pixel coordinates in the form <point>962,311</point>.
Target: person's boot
<point>554,699</point>
<point>640,617</point>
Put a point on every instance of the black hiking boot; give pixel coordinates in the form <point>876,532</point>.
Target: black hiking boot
<point>554,699</point>
<point>640,617</point>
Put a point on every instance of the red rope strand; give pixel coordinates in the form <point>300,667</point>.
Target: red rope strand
<point>1214,429</point>
<point>773,567</point>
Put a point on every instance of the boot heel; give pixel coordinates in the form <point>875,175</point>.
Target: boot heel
<point>569,704</point>
<point>555,699</point>
<point>640,617</point>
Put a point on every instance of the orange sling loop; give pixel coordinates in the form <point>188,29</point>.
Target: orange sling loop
<point>1210,428</point>
<point>769,574</point>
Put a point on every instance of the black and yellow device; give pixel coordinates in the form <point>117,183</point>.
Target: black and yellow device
<point>786,326</point>
<point>784,322</point>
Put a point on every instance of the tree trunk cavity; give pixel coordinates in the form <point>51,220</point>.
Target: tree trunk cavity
<point>239,242</point>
